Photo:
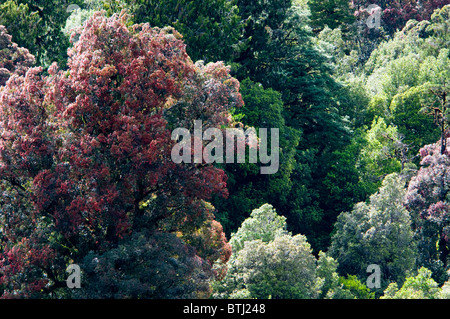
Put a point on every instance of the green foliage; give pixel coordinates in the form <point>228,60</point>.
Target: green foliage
<point>438,29</point>
<point>344,183</point>
<point>279,52</point>
<point>265,42</point>
<point>211,29</point>
<point>282,55</point>
<point>406,76</point>
<point>80,15</point>
<point>76,19</point>
<point>268,262</point>
<point>326,271</point>
<point>354,107</point>
<point>281,269</point>
<point>144,265</point>
<point>37,26</point>
<point>356,171</point>
<point>247,187</point>
<point>339,52</point>
<point>331,13</point>
<point>338,287</point>
<point>422,286</point>
<point>263,224</point>
<point>378,232</point>
<point>417,127</point>
<point>436,70</point>
<point>382,153</point>
<point>445,290</point>
<point>22,24</point>
<point>351,288</point>
<point>210,35</point>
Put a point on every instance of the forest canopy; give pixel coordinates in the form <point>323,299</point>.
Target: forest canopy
<point>92,91</point>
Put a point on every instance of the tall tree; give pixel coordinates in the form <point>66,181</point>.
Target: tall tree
<point>331,13</point>
<point>211,29</point>
<point>267,261</point>
<point>263,108</point>
<point>436,72</point>
<point>378,232</point>
<point>85,163</point>
<point>279,53</point>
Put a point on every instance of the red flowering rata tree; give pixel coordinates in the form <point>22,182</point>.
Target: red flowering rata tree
<point>86,173</point>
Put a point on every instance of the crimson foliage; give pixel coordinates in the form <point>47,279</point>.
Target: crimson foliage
<point>85,167</point>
